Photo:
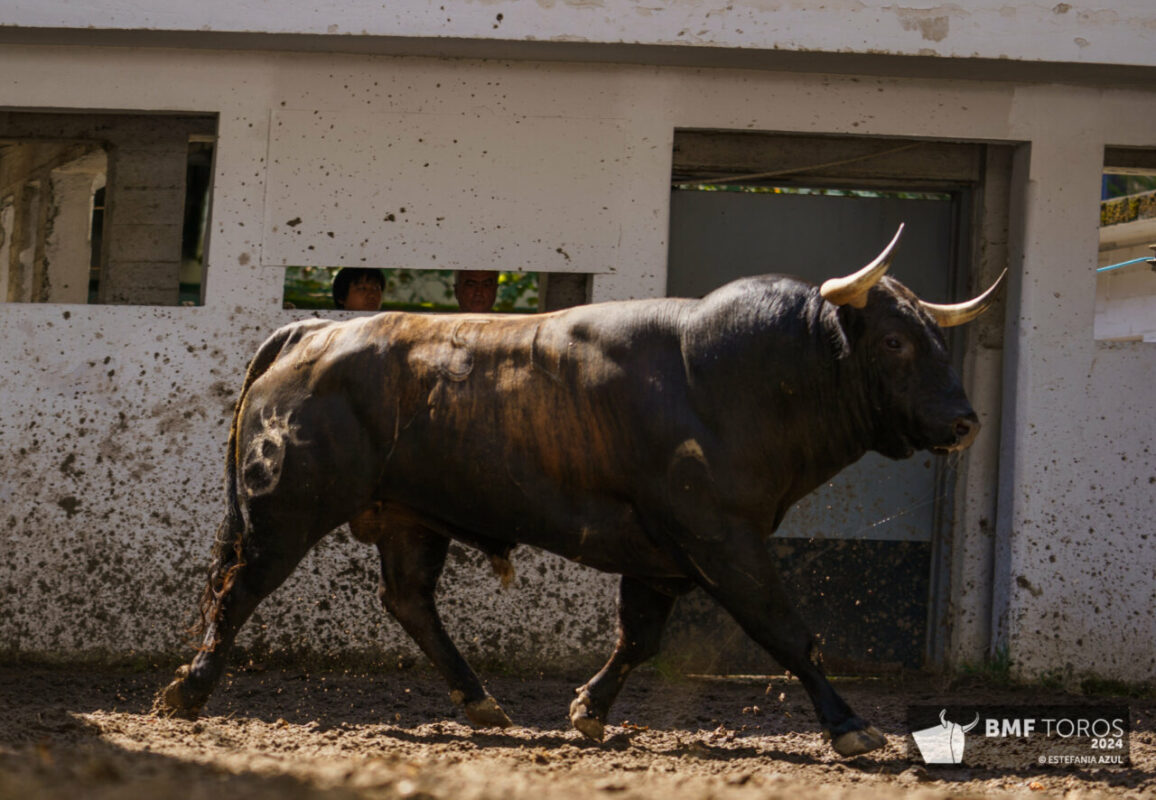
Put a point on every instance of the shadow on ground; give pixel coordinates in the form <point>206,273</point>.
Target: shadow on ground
<point>71,732</point>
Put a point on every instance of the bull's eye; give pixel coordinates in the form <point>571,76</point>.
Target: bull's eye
<point>893,343</point>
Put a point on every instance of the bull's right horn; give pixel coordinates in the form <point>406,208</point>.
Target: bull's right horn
<point>852,289</point>
<point>967,728</point>
<point>948,316</point>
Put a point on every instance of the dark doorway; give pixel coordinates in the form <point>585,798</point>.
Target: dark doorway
<point>864,555</point>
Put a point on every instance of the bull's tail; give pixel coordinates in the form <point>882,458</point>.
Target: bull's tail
<point>228,557</point>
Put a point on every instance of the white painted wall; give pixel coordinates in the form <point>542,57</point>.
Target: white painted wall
<point>115,418</point>
<point>1077,460</point>
<point>1120,32</point>
<point>449,165</point>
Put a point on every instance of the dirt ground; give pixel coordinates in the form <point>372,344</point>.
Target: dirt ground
<point>83,732</point>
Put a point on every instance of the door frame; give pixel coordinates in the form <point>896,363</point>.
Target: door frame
<point>979,177</point>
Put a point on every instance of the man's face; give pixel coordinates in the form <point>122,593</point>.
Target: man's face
<point>476,289</point>
<point>364,295</point>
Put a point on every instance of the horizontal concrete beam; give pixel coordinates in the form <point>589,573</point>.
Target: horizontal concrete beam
<point>919,64</point>
<point>1078,32</point>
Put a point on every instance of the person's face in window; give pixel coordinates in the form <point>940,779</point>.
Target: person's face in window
<point>364,295</point>
<point>476,289</point>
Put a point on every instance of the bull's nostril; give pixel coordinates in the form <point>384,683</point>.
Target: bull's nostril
<point>965,429</point>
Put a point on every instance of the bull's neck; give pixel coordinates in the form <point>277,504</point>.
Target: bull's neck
<point>831,401</point>
<point>785,388</point>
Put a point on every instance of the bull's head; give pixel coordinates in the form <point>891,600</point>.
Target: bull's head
<point>916,397</point>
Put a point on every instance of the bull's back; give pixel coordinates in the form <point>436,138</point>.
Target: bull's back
<point>537,429</point>
<point>531,429</point>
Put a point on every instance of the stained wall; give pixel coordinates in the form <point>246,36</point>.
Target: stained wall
<point>1078,32</point>
<point>114,418</point>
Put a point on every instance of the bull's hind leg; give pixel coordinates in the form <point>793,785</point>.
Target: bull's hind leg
<point>642,614</point>
<point>412,558</point>
<point>244,572</point>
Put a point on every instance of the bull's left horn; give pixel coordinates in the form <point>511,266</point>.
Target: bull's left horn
<point>852,289</point>
<point>958,313</point>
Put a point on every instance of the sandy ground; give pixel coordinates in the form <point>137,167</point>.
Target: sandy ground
<point>72,732</point>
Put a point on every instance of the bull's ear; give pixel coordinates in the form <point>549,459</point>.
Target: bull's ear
<point>959,313</point>
<point>852,289</point>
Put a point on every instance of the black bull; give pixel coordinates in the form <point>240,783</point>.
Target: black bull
<point>663,440</point>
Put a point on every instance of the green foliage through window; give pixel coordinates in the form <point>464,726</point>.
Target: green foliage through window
<point>1124,184</point>
<point>824,191</point>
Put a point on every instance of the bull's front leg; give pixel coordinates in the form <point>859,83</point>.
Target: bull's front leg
<point>738,572</point>
<point>722,550</point>
<point>642,615</point>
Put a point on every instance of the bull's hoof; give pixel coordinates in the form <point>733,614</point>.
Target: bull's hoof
<point>486,713</point>
<point>173,700</point>
<point>856,743</point>
<point>584,720</point>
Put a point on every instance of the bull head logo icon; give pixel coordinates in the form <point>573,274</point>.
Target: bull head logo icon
<point>943,743</point>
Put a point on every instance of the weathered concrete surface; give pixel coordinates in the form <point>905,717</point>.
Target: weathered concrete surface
<point>111,485</point>
<point>1083,32</point>
<point>453,165</point>
<point>68,249</point>
<point>115,418</point>
<point>1078,440</point>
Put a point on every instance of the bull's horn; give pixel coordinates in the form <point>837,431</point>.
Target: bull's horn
<point>958,313</point>
<point>853,288</point>
<point>967,728</point>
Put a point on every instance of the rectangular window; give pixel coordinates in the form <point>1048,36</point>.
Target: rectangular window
<point>104,207</point>
<point>406,289</point>
<point>1126,270</point>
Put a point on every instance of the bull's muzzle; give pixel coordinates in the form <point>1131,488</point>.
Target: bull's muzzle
<point>964,429</point>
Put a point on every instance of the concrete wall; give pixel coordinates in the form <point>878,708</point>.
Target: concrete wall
<point>1074,579</point>
<point>115,418</point>
<point>1077,32</point>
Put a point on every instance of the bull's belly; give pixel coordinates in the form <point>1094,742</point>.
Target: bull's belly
<point>616,546</point>
<point>594,531</point>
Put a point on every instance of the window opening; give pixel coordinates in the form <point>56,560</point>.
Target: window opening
<point>410,289</point>
<point>1126,264</point>
<point>198,190</point>
<point>721,231</point>
<point>104,208</point>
